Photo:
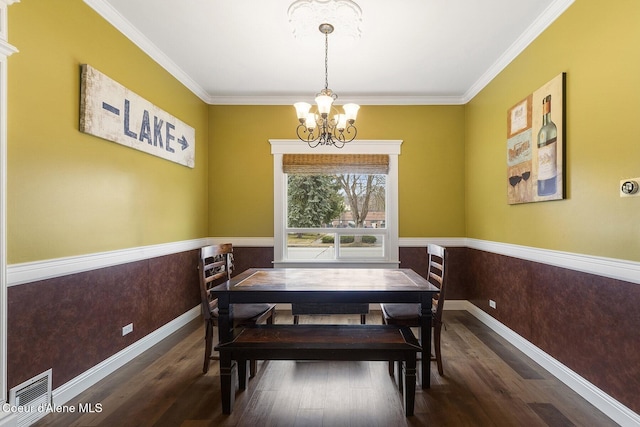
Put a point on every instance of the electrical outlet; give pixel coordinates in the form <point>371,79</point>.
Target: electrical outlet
<point>629,187</point>
<point>492,303</point>
<point>127,329</point>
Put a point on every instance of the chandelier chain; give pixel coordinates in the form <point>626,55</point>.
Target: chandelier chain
<point>326,60</point>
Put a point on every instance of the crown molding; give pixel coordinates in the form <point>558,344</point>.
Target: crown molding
<point>111,15</point>
<point>550,14</point>
<point>359,99</point>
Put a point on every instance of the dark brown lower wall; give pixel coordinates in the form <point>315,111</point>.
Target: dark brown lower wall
<point>416,259</point>
<point>74,322</point>
<point>587,322</point>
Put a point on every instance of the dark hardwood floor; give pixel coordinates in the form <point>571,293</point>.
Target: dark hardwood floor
<point>487,382</point>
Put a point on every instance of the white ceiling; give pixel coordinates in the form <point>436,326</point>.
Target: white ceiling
<point>410,51</point>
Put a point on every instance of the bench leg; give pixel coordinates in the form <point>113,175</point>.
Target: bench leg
<point>253,368</point>
<point>409,383</point>
<point>242,374</point>
<point>228,374</point>
<point>399,377</point>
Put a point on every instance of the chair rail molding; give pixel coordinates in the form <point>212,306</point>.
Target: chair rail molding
<point>613,268</point>
<point>18,274</point>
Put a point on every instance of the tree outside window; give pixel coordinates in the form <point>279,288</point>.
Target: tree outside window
<point>344,208</point>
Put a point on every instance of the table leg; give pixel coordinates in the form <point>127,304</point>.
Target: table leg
<point>425,338</point>
<point>225,319</point>
<point>228,373</point>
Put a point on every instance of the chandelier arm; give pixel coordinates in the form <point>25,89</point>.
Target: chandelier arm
<point>348,131</point>
<point>313,141</point>
<point>345,136</point>
<point>305,135</point>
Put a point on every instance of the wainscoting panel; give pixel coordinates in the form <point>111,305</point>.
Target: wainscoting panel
<point>73,322</point>
<point>588,322</point>
<point>245,257</point>
<point>416,259</point>
<point>582,311</point>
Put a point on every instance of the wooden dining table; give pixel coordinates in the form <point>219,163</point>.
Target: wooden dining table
<point>327,286</point>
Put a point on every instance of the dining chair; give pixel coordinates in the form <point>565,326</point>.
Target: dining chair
<point>409,314</point>
<point>215,266</point>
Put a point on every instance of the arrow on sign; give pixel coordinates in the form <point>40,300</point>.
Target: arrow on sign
<point>183,141</point>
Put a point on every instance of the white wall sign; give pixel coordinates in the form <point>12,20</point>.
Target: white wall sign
<point>113,112</point>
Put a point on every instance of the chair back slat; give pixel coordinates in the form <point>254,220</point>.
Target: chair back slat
<point>215,265</point>
<point>437,276</point>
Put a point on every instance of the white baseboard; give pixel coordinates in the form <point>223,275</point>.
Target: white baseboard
<point>71,389</point>
<point>598,398</point>
<point>8,420</point>
<point>601,400</point>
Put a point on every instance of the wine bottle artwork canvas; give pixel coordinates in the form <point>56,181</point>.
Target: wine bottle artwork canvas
<point>536,145</point>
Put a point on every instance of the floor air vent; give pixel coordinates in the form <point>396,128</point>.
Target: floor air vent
<point>32,395</point>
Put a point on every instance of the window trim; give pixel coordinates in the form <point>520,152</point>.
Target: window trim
<point>279,147</point>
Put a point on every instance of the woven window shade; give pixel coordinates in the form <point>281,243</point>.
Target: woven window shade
<point>328,164</point>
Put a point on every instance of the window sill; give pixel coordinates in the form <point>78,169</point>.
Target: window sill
<point>336,264</point>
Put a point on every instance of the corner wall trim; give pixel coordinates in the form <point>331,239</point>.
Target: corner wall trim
<point>82,382</point>
<point>598,398</point>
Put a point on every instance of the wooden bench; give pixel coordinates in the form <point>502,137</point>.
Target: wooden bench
<point>320,342</point>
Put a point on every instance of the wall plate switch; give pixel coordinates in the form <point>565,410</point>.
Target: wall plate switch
<point>492,303</point>
<point>127,329</point>
<point>629,187</point>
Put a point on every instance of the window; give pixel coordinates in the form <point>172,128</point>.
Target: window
<point>335,216</point>
<point>335,208</point>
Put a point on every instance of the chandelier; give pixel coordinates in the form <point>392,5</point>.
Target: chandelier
<point>325,125</point>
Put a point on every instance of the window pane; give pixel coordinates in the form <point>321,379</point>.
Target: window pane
<point>342,201</point>
<point>362,247</point>
<point>310,246</point>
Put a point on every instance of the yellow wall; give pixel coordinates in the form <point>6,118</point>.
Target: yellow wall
<point>431,166</point>
<point>70,193</point>
<point>596,44</point>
